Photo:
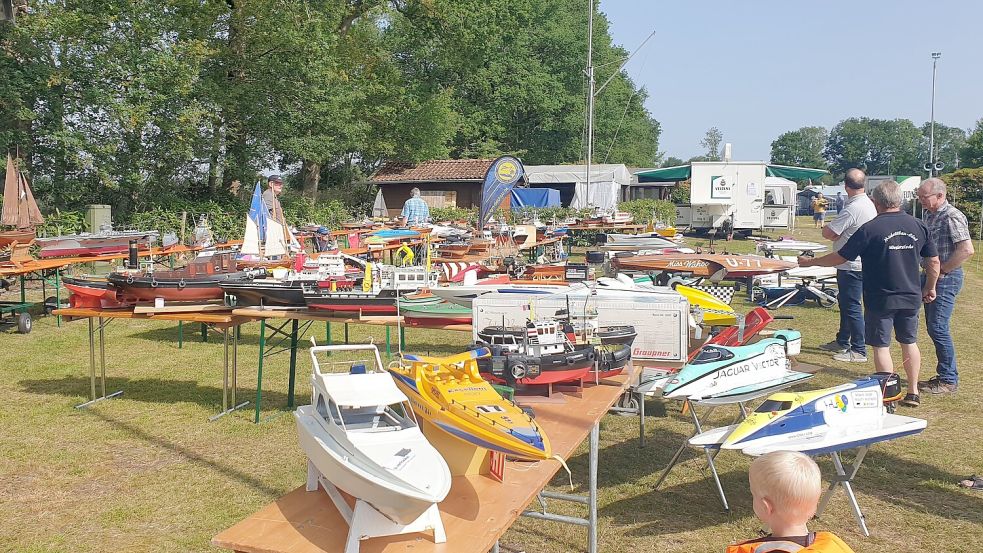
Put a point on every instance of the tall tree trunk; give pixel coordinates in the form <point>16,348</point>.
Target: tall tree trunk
<point>311,171</point>
<point>214,170</point>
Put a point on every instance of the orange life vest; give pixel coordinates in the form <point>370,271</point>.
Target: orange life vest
<point>825,542</point>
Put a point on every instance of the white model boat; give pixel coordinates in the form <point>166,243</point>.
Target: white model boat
<point>361,436</point>
<point>725,374</point>
<point>631,242</point>
<point>771,247</point>
<point>821,421</point>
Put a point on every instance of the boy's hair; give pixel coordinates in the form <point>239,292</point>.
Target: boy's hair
<point>791,481</point>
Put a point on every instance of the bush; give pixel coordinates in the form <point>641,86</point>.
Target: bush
<point>227,218</point>
<point>448,214</point>
<point>62,222</point>
<point>650,210</point>
<point>302,211</point>
<point>965,191</point>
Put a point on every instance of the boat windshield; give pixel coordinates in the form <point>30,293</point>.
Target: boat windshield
<point>771,405</point>
<point>378,418</point>
<point>709,354</point>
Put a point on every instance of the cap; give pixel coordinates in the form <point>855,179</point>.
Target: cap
<point>275,178</point>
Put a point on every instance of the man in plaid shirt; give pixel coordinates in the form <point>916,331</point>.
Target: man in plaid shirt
<point>415,210</point>
<point>948,228</point>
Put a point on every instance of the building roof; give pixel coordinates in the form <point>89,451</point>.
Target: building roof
<point>434,170</point>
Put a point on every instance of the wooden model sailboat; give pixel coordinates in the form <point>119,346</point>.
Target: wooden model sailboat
<point>268,240</point>
<point>20,210</point>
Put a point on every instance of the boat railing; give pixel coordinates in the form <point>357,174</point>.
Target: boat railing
<point>316,349</point>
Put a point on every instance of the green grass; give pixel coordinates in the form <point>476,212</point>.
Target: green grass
<point>148,471</point>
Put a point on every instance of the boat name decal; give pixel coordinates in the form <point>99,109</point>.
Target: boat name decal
<point>743,261</point>
<point>687,263</point>
<point>735,370</point>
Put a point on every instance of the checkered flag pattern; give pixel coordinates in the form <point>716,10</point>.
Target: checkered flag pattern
<point>722,293</point>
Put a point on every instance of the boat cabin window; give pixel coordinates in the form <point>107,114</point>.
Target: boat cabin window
<point>378,418</point>
<point>709,354</point>
<point>772,405</point>
<point>329,411</point>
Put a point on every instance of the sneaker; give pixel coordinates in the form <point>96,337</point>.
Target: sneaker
<point>939,387</point>
<point>850,356</point>
<point>834,347</point>
<point>929,383</point>
<point>911,400</point>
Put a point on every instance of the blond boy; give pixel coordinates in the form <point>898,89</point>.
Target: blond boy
<point>786,487</point>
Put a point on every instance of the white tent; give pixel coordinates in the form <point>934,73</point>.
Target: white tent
<point>605,182</point>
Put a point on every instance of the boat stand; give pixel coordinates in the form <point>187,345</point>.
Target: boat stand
<point>709,451</point>
<point>845,479</point>
<point>103,323</point>
<point>364,521</point>
<point>590,500</point>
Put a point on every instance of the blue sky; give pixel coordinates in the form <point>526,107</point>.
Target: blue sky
<point>758,68</point>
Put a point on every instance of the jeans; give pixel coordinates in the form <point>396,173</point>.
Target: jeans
<point>937,315</point>
<point>851,289</point>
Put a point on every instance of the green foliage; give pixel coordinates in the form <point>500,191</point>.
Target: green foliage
<point>62,222</point>
<point>971,154</point>
<point>300,211</point>
<point>680,193</point>
<point>712,143</point>
<point>227,219</point>
<point>948,142</point>
<point>801,148</point>
<point>881,147</point>
<point>672,161</point>
<point>965,191</point>
<point>650,210</point>
<point>546,215</point>
<point>451,214</point>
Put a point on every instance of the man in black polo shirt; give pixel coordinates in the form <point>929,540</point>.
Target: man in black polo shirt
<point>891,247</point>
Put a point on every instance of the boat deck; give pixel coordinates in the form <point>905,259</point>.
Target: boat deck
<point>476,512</point>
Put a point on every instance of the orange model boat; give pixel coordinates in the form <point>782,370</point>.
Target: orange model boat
<point>712,266</point>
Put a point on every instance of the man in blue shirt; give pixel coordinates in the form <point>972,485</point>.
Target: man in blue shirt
<point>415,210</point>
<point>891,247</point>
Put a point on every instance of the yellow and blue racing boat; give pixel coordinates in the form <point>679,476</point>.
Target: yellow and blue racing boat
<point>449,393</point>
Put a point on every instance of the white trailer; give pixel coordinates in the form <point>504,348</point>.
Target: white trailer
<point>662,326</point>
<point>735,195</point>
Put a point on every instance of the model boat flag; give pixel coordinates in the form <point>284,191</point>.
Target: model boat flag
<point>500,179</point>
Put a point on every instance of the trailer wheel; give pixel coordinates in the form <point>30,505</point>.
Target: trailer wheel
<point>24,323</point>
<point>628,401</point>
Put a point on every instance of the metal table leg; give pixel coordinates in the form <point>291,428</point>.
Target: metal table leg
<point>844,479</point>
<point>259,371</point>
<point>293,363</point>
<point>92,365</point>
<point>226,409</point>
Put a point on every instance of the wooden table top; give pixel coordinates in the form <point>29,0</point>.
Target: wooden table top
<point>302,314</point>
<point>476,512</point>
<point>218,318</point>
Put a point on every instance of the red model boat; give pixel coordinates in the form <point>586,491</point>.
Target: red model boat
<point>93,292</point>
<point>198,281</point>
<point>713,266</point>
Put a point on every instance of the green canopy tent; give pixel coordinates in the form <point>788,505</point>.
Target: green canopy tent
<point>682,172</point>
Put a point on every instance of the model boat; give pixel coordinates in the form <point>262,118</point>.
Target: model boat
<point>771,247</point>
<point>360,433</point>
<point>381,286</point>
<point>200,280</point>
<point>539,353</point>
<point>434,313</point>
<point>713,266</point>
<point>20,210</point>
<point>104,242</point>
<point>329,269</point>
<point>816,422</point>
<point>628,242</point>
<point>93,292</point>
<point>267,241</point>
<point>734,373</point>
<point>450,393</point>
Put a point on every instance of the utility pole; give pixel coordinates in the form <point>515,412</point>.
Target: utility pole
<point>590,91</point>
<point>931,137</point>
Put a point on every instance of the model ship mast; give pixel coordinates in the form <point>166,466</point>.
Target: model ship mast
<point>20,210</point>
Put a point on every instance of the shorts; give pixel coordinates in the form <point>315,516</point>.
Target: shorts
<point>878,325</point>
<point>818,215</point>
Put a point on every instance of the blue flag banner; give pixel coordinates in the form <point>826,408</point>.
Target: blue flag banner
<point>501,177</point>
<point>258,211</point>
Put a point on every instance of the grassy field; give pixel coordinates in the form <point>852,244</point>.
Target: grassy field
<point>148,471</point>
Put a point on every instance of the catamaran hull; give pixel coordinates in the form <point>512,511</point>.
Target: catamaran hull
<point>392,498</point>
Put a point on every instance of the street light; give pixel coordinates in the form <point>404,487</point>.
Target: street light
<point>932,166</point>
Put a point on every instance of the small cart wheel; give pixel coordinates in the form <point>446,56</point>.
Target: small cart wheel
<point>628,401</point>
<point>24,323</point>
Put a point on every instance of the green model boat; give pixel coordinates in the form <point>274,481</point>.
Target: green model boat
<point>435,314</point>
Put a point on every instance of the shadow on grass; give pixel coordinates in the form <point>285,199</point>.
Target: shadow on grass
<point>152,390</point>
<point>161,442</point>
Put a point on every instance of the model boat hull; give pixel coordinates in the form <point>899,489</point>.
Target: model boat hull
<point>529,370</point>
<point>612,359</point>
<point>264,293</point>
<point>94,244</point>
<point>94,293</point>
<point>8,237</point>
<point>434,313</point>
<point>400,502</point>
<point>354,302</point>
<point>147,289</point>
<point>704,265</point>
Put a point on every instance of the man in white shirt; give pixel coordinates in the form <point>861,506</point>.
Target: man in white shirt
<point>849,344</point>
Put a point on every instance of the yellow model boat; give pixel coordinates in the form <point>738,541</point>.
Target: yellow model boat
<point>719,314</point>
<point>449,393</point>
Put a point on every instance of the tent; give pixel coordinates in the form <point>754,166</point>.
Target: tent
<point>605,186</point>
<point>535,197</point>
<point>683,172</point>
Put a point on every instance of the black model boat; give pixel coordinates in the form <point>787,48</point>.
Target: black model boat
<point>536,354</point>
<point>327,268</point>
<point>375,294</point>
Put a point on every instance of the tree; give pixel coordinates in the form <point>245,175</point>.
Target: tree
<point>965,191</point>
<point>711,142</point>
<point>971,154</point>
<point>801,148</point>
<point>948,142</point>
<point>881,147</point>
<point>673,161</point>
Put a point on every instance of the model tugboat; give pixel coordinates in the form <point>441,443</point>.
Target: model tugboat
<point>198,281</point>
<point>380,287</point>
<point>612,344</point>
<point>289,291</point>
<point>536,354</point>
